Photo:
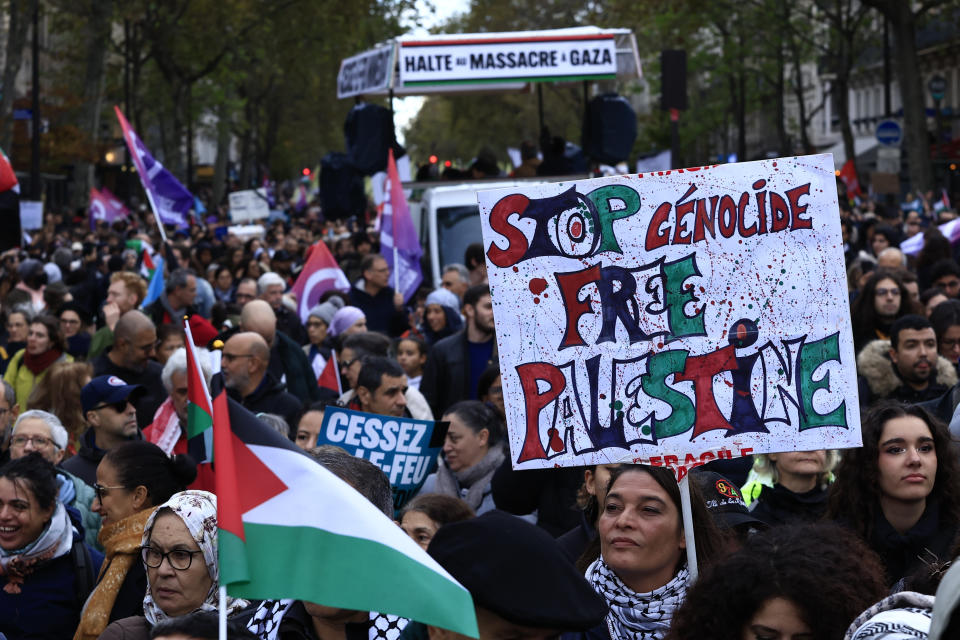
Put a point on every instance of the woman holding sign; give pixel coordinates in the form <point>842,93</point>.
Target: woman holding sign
<point>900,491</point>
<point>642,567</point>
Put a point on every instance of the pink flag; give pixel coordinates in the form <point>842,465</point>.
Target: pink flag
<point>319,275</point>
<point>398,236</point>
<point>105,206</point>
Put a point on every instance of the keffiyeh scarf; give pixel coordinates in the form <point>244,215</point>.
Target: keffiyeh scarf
<point>265,623</point>
<point>632,615</point>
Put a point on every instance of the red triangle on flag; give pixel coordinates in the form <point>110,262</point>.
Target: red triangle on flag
<point>238,493</point>
<point>329,377</point>
<point>8,179</point>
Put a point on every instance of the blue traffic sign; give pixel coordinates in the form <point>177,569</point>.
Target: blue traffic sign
<point>889,132</point>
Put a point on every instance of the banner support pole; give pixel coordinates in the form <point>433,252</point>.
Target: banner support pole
<point>688,527</point>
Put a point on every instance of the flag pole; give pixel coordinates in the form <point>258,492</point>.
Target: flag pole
<point>396,268</point>
<point>222,608</point>
<point>336,369</point>
<point>688,527</point>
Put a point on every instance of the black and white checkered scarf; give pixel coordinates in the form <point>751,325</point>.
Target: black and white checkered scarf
<point>632,615</point>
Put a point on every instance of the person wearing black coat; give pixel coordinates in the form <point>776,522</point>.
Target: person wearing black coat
<point>799,492</point>
<point>244,369</point>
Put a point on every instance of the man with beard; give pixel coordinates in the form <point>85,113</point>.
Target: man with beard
<point>244,364</point>
<point>108,407</point>
<point>130,359</point>
<point>907,367</point>
<point>456,362</point>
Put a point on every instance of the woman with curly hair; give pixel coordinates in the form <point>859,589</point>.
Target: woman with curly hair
<point>901,491</point>
<point>807,581</point>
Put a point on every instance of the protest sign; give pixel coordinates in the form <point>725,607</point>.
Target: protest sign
<point>31,214</point>
<point>405,449</point>
<point>368,72</point>
<point>249,205</point>
<point>674,317</point>
<point>476,59</point>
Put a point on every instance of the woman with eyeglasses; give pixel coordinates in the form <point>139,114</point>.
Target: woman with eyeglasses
<point>179,549</point>
<point>132,479</point>
<point>45,346</point>
<point>46,571</point>
<point>900,491</point>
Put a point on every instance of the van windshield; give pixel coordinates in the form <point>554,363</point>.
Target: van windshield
<point>457,228</point>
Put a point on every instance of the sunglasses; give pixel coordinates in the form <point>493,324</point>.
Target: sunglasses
<point>119,407</point>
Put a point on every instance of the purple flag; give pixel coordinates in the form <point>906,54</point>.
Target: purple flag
<point>397,230</point>
<point>170,199</point>
<point>105,206</point>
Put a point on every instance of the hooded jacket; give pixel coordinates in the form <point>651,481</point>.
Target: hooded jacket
<point>879,378</point>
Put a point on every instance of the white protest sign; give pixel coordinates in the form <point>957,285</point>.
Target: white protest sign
<point>249,205</point>
<point>673,318</point>
<point>368,72</point>
<point>31,214</point>
<point>475,59</point>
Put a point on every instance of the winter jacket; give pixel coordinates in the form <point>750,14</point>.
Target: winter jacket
<point>289,363</point>
<point>778,505</point>
<point>879,377</point>
<point>48,605</point>
<point>552,493</point>
<point>271,397</point>
<point>22,379</point>
<point>82,503</point>
<point>446,374</point>
<point>929,540</point>
<point>381,315</point>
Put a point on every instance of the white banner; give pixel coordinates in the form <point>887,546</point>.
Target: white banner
<point>31,214</point>
<point>368,72</point>
<point>249,205</point>
<point>673,318</point>
<point>508,58</point>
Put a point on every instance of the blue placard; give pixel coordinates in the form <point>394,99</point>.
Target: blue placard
<point>889,132</point>
<point>405,449</point>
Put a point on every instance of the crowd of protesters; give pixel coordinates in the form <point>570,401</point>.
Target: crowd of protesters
<point>105,531</point>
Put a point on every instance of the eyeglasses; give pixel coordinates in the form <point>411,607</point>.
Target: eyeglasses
<point>102,490</point>
<point>119,407</point>
<point>179,559</point>
<point>230,357</point>
<point>346,364</point>
<point>37,441</point>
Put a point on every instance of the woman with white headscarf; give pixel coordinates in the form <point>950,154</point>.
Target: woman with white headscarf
<point>180,555</point>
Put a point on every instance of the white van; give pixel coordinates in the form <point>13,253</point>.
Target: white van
<point>449,218</point>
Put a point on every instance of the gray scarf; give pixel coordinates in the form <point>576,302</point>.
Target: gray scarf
<point>471,483</point>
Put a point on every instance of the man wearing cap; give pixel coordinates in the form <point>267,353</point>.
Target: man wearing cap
<point>521,583</point>
<point>135,341</point>
<point>108,407</point>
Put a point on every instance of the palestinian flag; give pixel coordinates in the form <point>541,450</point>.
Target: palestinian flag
<point>330,376</point>
<point>199,407</point>
<point>291,529</point>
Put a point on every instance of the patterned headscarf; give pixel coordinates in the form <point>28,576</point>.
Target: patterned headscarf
<point>198,510</point>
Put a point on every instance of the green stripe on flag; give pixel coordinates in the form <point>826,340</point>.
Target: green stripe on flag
<point>334,570</point>
<point>198,420</point>
<point>233,558</point>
